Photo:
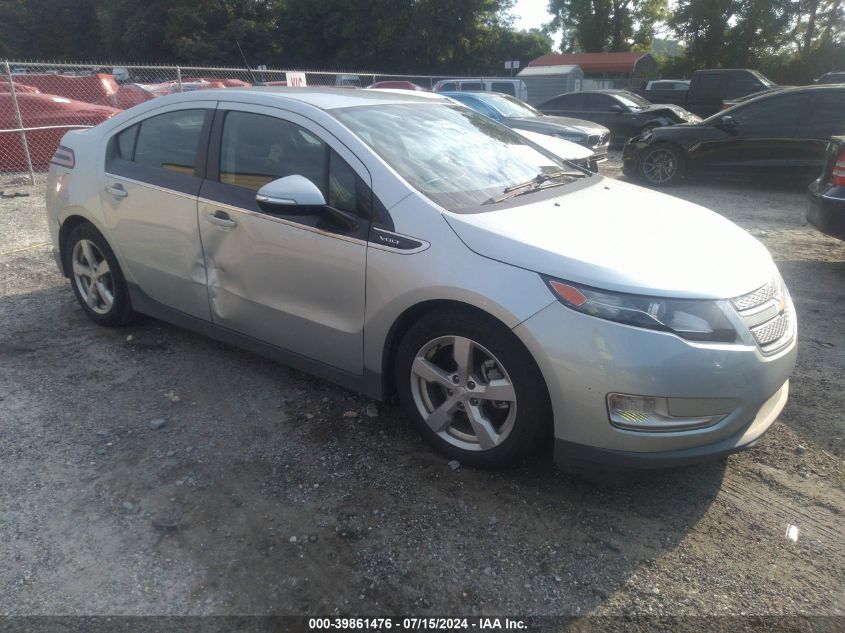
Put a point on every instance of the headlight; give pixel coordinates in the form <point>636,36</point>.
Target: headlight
<point>693,319</point>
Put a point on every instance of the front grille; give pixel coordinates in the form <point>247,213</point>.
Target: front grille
<point>771,331</point>
<point>596,140</point>
<point>756,298</point>
<point>768,315</point>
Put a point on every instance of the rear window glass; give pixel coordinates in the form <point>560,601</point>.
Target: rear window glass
<point>169,141</point>
<point>505,87</point>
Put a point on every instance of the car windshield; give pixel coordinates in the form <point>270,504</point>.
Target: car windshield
<point>632,100</point>
<point>510,107</point>
<point>763,79</point>
<point>455,156</point>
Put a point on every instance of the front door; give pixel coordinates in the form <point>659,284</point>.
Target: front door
<point>295,281</point>
<point>762,138</point>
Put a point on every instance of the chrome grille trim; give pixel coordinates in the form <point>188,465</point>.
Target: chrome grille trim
<point>771,331</point>
<point>767,314</point>
<point>755,298</point>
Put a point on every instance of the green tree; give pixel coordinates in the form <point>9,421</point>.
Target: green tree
<point>606,25</point>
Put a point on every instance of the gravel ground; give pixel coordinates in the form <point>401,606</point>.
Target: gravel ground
<point>148,470</point>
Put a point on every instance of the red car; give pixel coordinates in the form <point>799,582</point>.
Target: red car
<point>55,115</point>
<point>100,88</point>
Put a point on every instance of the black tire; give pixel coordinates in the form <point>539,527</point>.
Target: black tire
<point>120,312</point>
<point>533,417</point>
<point>662,164</point>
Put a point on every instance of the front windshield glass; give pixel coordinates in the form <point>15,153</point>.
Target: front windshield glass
<point>763,79</point>
<point>510,107</point>
<point>633,100</point>
<point>455,156</point>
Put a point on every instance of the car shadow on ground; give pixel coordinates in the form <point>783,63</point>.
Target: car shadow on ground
<point>288,497</point>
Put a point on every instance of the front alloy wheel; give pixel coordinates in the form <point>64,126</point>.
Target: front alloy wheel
<point>463,393</point>
<point>661,165</point>
<point>471,388</point>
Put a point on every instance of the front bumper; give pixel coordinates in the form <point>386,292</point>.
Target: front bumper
<point>578,456</point>
<point>631,152</point>
<point>826,209</point>
<point>584,358</point>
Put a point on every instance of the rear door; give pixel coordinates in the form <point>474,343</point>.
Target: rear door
<point>824,117</point>
<point>294,281</point>
<point>153,173</point>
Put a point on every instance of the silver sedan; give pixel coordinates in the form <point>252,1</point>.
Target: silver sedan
<point>404,244</point>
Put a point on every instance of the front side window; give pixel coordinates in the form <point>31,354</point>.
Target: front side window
<point>453,155</point>
<point>256,149</point>
<point>780,111</point>
<point>472,85</point>
<point>600,103</point>
<point>167,141</point>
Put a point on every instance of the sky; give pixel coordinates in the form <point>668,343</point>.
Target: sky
<point>531,14</point>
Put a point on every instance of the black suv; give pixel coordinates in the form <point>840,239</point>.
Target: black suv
<point>782,133</point>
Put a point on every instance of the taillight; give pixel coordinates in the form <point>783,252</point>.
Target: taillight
<point>837,177</point>
<point>64,157</point>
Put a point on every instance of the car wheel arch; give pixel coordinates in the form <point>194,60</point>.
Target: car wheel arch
<point>411,315</point>
<point>673,145</point>
<point>68,224</point>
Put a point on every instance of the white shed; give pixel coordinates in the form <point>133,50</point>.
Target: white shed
<point>545,82</point>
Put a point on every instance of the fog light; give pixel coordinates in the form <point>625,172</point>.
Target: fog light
<point>649,413</point>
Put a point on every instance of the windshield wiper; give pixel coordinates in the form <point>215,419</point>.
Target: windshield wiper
<point>535,184</point>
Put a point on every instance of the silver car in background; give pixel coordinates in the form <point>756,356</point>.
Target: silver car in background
<point>398,244</point>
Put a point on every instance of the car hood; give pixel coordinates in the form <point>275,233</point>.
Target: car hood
<point>562,148</point>
<point>614,235</point>
<point>547,124</point>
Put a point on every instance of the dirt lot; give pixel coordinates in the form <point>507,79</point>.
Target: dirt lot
<point>291,499</point>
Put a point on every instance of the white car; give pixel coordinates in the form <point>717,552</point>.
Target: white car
<point>402,244</point>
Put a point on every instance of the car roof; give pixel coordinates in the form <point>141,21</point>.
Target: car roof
<point>322,98</point>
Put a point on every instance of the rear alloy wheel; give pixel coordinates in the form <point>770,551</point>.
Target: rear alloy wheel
<point>471,389</point>
<point>661,165</point>
<point>96,278</point>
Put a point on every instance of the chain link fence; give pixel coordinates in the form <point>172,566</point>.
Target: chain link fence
<point>40,102</point>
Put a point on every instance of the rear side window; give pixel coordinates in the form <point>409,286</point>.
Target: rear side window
<point>505,87</point>
<point>169,141</point>
<point>825,116</point>
<point>740,85</point>
<point>710,85</point>
<point>572,101</point>
<point>776,113</point>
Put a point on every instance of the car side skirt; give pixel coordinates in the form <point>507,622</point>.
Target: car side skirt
<point>369,383</point>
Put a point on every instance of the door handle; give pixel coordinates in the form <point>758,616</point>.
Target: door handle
<point>117,190</point>
<point>221,218</point>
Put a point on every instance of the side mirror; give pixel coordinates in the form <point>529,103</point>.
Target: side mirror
<point>618,109</point>
<point>728,123</point>
<point>296,195</point>
<point>285,194</point>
